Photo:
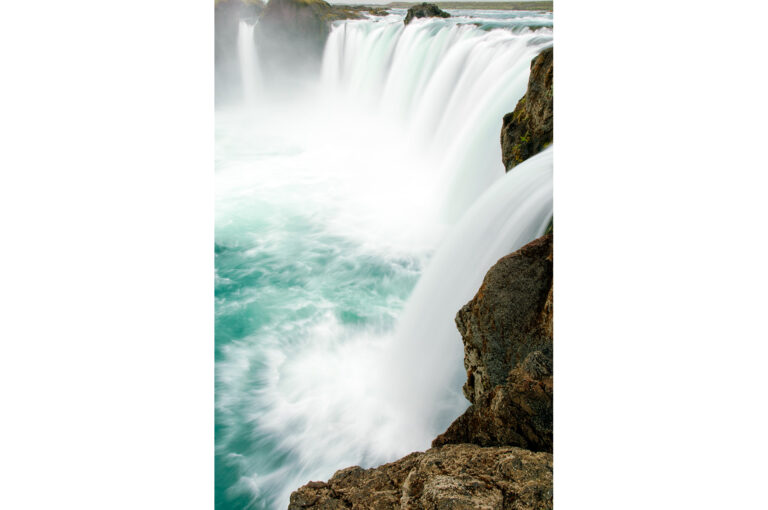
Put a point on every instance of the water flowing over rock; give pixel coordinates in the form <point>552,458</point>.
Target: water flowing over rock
<point>291,36</point>
<point>528,129</point>
<point>451,476</point>
<point>507,335</point>
<point>477,463</point>
<point>323,228</point>
<point>425,10</point>
<point>227,16</point>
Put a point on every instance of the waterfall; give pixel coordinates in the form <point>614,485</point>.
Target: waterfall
<point>352,397</point>
<point>448,85</point>
<point>249,62</point>
<point>428,350</point>
<point>353,219</point>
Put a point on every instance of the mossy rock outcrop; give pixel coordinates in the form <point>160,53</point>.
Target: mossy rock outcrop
<point>528,129</point>
<point>425,10</point>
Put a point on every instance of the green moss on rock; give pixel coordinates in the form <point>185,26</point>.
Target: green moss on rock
<point>528,129</point>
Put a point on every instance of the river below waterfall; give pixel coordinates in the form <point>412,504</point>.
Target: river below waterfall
<point>353,219</point>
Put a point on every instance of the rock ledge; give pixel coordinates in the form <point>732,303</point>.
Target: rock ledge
<point>451,476</point>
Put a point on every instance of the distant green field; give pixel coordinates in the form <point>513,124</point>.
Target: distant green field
<point>501,6</point>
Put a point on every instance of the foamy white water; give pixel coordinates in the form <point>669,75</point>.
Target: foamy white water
<point>353,220</point>
<point>447,84</point>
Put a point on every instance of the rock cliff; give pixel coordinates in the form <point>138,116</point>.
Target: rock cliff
<point>425,10</point>
<point>478,462</point>
<point>507,335</point>
<point>528,129</point>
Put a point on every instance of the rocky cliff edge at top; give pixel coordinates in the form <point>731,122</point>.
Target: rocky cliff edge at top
<point>507,333</point>
<point>528,129</point>
<point>425,10</point>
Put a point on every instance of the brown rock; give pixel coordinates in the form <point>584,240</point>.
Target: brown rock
<point>528,130</point>
<point>507,333</point>
<point>425,10</point>
<point>448,477</point>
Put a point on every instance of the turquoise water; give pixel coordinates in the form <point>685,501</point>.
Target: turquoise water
<point>292,268</point>
<point>330,204</point>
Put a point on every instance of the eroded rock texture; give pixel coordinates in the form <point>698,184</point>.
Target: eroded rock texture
<point>507,333</point>
<point>528,129</point>
<point>449,477</point>
<point>479,462</point>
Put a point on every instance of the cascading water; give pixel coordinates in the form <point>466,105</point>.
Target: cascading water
<point>352,222</point>
<point>449,84</point>
<point>248,58</point>
<point>512,212</point>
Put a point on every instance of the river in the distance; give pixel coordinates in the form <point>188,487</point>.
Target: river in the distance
<point>352,221</point>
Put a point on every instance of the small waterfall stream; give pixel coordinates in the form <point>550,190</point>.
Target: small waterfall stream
<point>248,57</point>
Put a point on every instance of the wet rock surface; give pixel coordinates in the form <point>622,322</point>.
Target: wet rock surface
<point>507,333</point>
<point>529,128</point>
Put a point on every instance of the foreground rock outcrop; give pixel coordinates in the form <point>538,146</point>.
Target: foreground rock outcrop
<point>497,455</point>
<point>528,129</point>
<point>507,335</point>
<point>425,10</point>
<point>448,477</point>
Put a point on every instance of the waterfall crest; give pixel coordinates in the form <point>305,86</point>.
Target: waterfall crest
<point>447,84</point>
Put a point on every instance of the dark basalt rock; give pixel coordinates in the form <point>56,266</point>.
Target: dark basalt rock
<point>452,476</point>
<point>425,10</point>
<point>528,129</point>
<point>507,333</point>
